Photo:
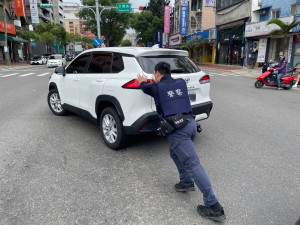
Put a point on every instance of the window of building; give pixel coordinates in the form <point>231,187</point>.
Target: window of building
<point>275,13</point>
<point>295,9</point>
<point>200,4</point>
<point>222,4</point>
<point>194,5</point>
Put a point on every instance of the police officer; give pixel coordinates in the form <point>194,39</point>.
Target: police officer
<point>171,98</point>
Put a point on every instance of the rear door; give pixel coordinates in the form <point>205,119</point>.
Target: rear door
<point>91,83</point>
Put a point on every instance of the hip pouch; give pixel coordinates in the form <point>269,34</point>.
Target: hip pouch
<point>165,128</point>
<point>178,121</point>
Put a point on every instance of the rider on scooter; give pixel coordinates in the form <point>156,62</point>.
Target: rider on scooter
<point>281,68</point>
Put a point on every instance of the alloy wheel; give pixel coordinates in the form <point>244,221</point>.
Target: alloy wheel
<point>109,127</point>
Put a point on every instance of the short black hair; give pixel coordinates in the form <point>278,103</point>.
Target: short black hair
<point>163,68</point>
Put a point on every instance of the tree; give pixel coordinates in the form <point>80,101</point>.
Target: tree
<point>28,35</point>
<point>50,33</point>
<point>157,7</point>
<point>6,53</point>
<point>283,31</point>
<point>146,25</point>
<point>126,43</point>
<point>113,24</point>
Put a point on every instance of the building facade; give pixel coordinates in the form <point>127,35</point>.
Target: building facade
<point>231,18</point>
<point>257,33</point>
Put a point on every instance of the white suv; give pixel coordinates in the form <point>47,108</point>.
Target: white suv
<point>100,84</point>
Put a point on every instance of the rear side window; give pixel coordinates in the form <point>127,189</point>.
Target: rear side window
<point>100,63</point>
<point>78,65</point>
<point>118,64</point>
<point>179,64</point>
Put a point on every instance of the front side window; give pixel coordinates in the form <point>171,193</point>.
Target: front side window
<point>179,64</point>
<point>78,65</point>
<point>100,63</point>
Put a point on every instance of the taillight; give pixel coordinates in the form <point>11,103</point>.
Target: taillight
<point>134,84</point>
<point>205,79</point>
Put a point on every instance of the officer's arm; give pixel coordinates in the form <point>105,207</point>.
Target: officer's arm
<point>146,88</point>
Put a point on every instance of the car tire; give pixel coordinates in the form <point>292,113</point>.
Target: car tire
<point>55,103</point>
<point>112,129</point>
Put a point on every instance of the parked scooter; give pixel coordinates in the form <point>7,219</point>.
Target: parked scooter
<point>287,81</point>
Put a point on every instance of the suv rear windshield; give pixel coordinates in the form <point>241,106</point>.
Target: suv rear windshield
<point>179,64</point>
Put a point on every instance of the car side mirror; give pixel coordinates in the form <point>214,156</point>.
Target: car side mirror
<point>60,70</point>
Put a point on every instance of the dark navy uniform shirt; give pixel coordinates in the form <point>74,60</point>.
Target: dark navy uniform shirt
<point>152,90</point>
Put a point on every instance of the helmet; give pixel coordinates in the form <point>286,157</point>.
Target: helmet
<point>282,58</point>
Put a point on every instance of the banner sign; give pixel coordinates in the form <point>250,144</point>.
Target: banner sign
<point>34,11</point>
<point>159,37</point>
<point>167,20</point>
<point>184,2</point>
<point>175,40</point>
<point>19,8</point>
<point>262,48</point>
<point>209,3</point>
<point>9,27</point>
<point>183,20</point>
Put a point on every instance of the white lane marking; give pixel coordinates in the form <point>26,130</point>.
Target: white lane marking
<point>25,75</point>
<point>217,74</point>
<point>8,75</point>
<point>43,74</point>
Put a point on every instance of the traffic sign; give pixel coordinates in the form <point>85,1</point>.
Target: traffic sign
<point>42,6</point>
<point>97,42</point>
<point>123,7</point>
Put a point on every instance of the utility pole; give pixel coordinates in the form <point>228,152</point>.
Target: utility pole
<point>98,19</point>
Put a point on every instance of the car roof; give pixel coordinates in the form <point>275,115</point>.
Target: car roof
<point>140,51</point>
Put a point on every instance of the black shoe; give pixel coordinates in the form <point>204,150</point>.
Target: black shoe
<point>185,186</point>
<point>210,213</point>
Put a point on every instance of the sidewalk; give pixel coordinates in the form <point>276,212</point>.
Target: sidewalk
<point>14,64</point>
<point>234,69</point>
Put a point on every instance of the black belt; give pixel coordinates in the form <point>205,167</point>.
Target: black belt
<point>188,116</point>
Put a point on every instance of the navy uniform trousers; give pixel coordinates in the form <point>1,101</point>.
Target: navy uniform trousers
<point>183,153</point>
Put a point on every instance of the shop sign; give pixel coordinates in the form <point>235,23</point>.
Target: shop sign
<point>209,3</point>
<point>290,49</point>
<point>184,2</point>
<point>262,29</point>
<point>183,20</point>
<point>167,20</point>
<point>9,27</point>
<point>262,48</point>
<point>19,8</point>
<point>175,40</point>
<point>34,11</point>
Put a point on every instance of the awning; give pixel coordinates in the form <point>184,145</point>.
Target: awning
<point>14,39</point>
<point>264,8</point>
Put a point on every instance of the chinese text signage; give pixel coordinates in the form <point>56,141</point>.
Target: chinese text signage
<point>123,7</point>
<point>183,20</point>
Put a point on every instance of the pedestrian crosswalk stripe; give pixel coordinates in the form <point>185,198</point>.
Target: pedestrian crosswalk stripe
<point>25,75</point>
<point>8,75</point>
<point>43,74</point>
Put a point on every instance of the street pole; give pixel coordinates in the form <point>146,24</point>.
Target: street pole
<point>98,19</point>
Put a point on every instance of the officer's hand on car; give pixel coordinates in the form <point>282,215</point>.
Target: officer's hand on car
<point>142,78</point>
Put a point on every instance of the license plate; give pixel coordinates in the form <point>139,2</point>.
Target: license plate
<point>192,96</point>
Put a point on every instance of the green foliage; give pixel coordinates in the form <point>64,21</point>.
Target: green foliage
<point>146,25</point>
<point>73,38</point>
<point>126,43</point>
<point>50,32</point>
<point>157,7</point>
<point>27,35</point>
<point>195,43</point>
<point>284,28</point>
<point>113,24</point>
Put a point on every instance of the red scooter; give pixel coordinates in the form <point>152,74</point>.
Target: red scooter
<point>287,81</point>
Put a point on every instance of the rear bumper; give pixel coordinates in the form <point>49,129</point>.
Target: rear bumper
<point>149,122</point>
